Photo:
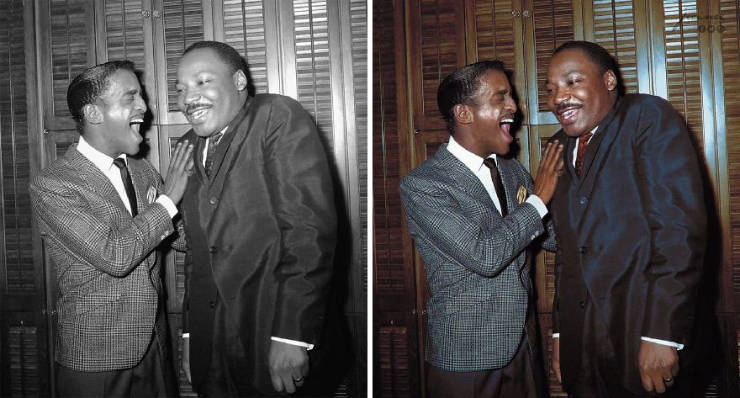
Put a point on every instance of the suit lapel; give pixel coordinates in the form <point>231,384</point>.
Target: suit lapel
<point>595,157</point>
<point>508,178</point>
<point>468,181</point>
<point>95,179</point>
<point>228,147</point>
<point>138,176</point>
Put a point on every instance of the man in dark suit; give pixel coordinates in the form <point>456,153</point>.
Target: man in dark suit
<point>472,214</point>
<point>630,220</point>
<point>102,214</point>
<point>261,224</point>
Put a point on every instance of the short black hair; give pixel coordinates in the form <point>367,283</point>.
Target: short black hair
<point>461,87</point>
<point>227,54</point>
<point>89,85</point>
<point>598,55</point>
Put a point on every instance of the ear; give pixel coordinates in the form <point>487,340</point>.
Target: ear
<point>240,80</point>
<point>92,114</point>
<point>462,114</point>
<point>610,80</point>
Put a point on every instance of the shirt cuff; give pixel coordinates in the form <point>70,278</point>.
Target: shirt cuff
<point>535,201</point>
<point>556,335</point>
<point>186,335</point>
<point>308,346</point>
<point>677,346</point>
<point>168,204</point>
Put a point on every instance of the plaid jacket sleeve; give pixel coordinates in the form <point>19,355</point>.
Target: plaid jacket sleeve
<point>69,217</point>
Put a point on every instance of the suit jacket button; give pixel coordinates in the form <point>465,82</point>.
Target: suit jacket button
<point>212,249</point>
<point>214,200</point>
<point>582,249</point>
<point>582,304</point>
<point>212,304</point>
<point>583,201</point>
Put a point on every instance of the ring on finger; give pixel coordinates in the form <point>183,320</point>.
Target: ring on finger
<point>298,380</point>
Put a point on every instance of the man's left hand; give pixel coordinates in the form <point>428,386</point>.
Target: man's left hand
<point>658,366</point>
<point>288,366</point>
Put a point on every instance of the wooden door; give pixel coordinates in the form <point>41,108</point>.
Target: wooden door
<point>24,361</point>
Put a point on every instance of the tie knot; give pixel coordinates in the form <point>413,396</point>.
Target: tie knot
<point>120,163</point>
<point>584,138</point>
<point>216,138</point>
<point>490,163</point>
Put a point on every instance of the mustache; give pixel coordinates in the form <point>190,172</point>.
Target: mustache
<point>192,107</point>
<point>565,105</point>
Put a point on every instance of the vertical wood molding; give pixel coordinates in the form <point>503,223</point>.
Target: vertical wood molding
<point>286,40</point>
<point>274,43</point>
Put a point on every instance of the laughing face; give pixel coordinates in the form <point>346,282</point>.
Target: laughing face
<point>210,94</point>
<point>492,115</point>
<point>579,93</point>
<point>121,113</point>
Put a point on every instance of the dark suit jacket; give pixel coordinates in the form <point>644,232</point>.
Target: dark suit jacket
<point>475,260</point>
<point>264,228</point>
<point>631,233</point>
<point>107,271</point>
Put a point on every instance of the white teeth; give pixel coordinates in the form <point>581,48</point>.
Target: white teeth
<point>137,120</point>
<point>507,120</point>
<point>569,113</point>
<point>198,113</point>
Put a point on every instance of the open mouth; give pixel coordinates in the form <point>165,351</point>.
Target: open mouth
<point>505,125</point>
<point>136,123</point>
<point>569,114</point>
<point>198,113</point>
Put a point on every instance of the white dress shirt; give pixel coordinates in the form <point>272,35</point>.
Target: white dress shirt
<point>105,164</point>
<point>475,164</point>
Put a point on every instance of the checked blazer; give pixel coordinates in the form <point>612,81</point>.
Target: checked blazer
<point>475,260</point>
<point>107,270</point>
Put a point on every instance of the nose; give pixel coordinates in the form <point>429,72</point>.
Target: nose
<point>140,104</point>
<point>189,95</point>
<point>560,95</point>
<point>510,104</point>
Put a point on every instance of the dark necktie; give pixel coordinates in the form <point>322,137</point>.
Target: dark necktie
<point>211,152</point>
<point>127,184</point>
<point>497,184</point>
<point>582,144</point>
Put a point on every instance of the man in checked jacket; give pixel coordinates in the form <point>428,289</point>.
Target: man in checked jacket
<point>472,213</point>
<point>103,214</point>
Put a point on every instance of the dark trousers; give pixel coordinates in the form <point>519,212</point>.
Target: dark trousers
<point>153,376</point>
<point>598,376</point>
<point>517,379</point>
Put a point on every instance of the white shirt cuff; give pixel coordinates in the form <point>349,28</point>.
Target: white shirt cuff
<point>186,335</point>
<point>308,346</point>
<point>556,335</point>
<point>168,204</point>
<point>535,201</point>
<point>677,346</point>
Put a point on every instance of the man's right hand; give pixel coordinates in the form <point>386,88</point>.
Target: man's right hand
<point>551,166</point>
<point>181,167</point>
<point>556,358</point>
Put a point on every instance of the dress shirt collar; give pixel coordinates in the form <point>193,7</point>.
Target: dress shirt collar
<point>99,159</point>
<point>469,159</point>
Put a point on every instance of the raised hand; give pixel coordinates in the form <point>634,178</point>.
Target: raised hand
<point>181,167</point>
<point>551,166</point>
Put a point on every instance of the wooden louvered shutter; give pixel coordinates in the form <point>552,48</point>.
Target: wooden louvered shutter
<point>614,29</point>
<point>67,48</point>
<point>552,25</point>
<point>683,64</point>
<point>495,32</point>
<point>24,363</point>
<point>396,352</point>
<point>244,29</point>
<point>437,47</point>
